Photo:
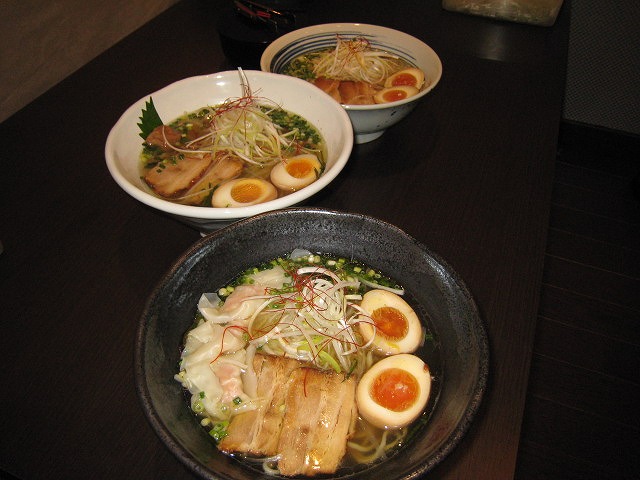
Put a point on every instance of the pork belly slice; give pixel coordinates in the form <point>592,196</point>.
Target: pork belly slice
<point>191,178</point>
<point>320,414</point>
<point>164,136</point>
<point>173,179</point>
<point>356,93</point>
<point>306,417</point>
<point>224,168</point>
<point>257,432</point>
<point>329,86</point>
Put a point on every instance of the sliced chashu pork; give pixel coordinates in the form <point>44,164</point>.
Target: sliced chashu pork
<point>306,417</point>
<point>258,431</point>
<point>224,168</point>
<point>174,179</point>
<point>347,92</point>
<point>320,414</point>
<point>356,93</point>
<point>179,178</point>
<point>164,136</point>
<point>329,86</point>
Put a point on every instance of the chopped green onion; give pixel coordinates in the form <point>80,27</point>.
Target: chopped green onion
<point>330,361</point>
<point>219,430</point>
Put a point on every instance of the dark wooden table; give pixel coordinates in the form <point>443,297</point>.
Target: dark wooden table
<point>469,174</point>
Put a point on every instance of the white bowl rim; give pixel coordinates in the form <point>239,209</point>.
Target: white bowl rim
<point>285,39</point>
<point>222,214</point>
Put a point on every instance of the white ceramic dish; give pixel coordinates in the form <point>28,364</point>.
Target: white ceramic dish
<point>369,121</point>
<point>123,146</point>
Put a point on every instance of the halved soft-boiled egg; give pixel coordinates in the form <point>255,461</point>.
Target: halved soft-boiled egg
<point>394,325</point>
<point>393,94</point>
<point>394,391</point>
<point>243,192</point>
<point>297,172</point>
<point>412,77</point>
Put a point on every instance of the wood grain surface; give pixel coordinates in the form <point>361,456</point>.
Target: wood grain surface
<point>468,173</point>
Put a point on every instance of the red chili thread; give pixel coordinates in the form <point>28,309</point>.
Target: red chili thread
<point>224,332</point>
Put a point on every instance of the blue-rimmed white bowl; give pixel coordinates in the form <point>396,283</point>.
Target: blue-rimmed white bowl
<point>369,121</point>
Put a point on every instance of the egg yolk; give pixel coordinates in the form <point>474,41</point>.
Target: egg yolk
<point>404,79</point>
<point>390,323</point>
<point>298,169</point>
<point>394,95</point>
<point>395,389</point>
<point>245,192</point>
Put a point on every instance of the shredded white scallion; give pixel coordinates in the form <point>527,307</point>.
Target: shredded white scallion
<point>241,126</point>
<point>315,317</point>
<point>355,60</point>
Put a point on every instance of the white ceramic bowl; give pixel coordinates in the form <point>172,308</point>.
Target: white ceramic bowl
<point>369,121</point>
<point>124,145</point>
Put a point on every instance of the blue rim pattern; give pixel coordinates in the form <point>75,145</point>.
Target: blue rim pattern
<point>325,40</point>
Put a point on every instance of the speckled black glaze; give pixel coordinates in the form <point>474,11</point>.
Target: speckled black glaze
<point>220,256</point>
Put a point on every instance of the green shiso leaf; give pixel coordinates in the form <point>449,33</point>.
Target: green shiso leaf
<point>149,119</point>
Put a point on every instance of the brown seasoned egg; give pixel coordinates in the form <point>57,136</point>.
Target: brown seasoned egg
<point>297,172</point>
<point>412,77</point>
<point>394,391</point>
<point>393,94</point>
<point>243,192</point>
<point>393,324</point>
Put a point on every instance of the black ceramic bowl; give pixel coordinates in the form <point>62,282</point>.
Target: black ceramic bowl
<point>219,257</point>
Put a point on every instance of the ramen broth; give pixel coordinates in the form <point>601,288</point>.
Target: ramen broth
<point>303,66</point>
<point>187,160</point>
<point>361,279</point>
<point>354,73</point>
